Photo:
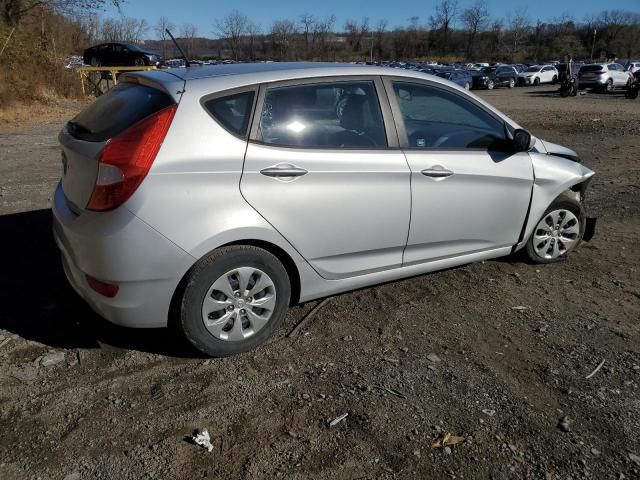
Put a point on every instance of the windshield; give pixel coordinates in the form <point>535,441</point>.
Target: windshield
<point>591,68</point>
<point>533,69</point>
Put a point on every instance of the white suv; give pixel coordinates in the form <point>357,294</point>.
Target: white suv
<point>604,76</point>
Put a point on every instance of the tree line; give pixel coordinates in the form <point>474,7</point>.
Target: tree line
<point>450,33</point>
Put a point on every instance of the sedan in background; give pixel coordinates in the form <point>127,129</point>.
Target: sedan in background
<point>460,77</point>
<point>120,55</point>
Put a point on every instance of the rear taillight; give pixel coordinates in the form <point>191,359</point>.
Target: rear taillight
<point>126,159</point>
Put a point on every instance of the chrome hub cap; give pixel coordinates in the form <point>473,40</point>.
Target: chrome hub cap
<point>239,304</point>
<point>556,234</point>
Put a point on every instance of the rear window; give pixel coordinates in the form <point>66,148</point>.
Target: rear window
<point>591,68</point>
<point>232,112</point>
<point>116,110</point>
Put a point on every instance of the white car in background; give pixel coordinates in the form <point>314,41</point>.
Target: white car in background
<point>633,67</point>
<point>537,74</point>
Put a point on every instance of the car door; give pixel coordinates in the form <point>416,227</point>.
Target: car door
<point>469,193</point>
<point>324,171</point>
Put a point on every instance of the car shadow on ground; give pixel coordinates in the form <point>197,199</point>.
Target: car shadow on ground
<point>38,303</point>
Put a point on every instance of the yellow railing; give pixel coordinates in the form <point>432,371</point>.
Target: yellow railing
<point>88,82</point>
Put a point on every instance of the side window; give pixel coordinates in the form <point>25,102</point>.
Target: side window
<point>437,118</point>
<point>232,111</point>
<point>327,115</point>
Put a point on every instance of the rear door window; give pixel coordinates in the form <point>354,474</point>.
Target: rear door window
<point>327,115</point>
<point>115,111</point>
<point>233,112</point>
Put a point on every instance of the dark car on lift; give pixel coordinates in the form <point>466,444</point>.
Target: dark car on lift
<point>120,55</point>
<point>495,76</point>
<point>461,77</point>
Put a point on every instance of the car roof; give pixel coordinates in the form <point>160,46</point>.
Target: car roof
<point>241,74</point>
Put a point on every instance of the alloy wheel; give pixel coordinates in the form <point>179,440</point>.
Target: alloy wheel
<point>556,234</point>
<point>239,304</point>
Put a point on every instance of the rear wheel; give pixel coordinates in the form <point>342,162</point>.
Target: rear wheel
<point>512,82</point>
<point>95,62</point>
<point>554,80</point>
<point>490,85</point>
<point>536,82</point>
<point>233,300</point>
<point>139,62</point>
<point>608,87</point>
<point>558,232</point>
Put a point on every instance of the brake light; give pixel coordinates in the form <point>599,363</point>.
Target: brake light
<point>126,159</point>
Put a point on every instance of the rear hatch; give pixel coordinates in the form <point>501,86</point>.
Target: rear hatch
<point>591,71</point>
<point>84,138</point>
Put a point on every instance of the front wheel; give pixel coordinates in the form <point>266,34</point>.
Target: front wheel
<point>512,82</point>
<point>536,82</point>
<point>558,232</point>
<point>490,85</point>
<point>233,300</point>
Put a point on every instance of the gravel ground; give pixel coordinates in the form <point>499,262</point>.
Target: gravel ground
<point>408,361</point>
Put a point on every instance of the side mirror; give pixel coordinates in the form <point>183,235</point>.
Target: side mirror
<point>521,140</point>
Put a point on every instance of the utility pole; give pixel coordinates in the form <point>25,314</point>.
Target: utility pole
<point>593,44</point>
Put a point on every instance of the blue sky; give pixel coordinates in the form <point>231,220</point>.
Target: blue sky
<point>202,13</point>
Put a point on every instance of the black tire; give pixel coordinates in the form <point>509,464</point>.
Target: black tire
<point>566,203</point>
<point>608,87</point>
<point>95,62</point>
<point>139,62</point>
<point>554,80</point>
<point>490,85</point>
<point>632,93</point>
<point>536,82</point>
<point>200,278</point>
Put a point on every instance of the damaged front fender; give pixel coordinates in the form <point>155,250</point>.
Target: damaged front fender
<point>553,175</point>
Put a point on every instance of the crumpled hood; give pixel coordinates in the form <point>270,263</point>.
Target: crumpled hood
<point>549,148</point>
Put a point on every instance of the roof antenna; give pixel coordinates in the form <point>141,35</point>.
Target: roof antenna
<point>186,60</point>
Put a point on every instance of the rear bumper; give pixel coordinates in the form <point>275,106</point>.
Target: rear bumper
<point>592,82</point>
<point>117,247</point>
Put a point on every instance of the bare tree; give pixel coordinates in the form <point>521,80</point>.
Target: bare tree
<point>282,33</point>
<point>189,33</point>
<point>12,11</point>
<point>380,30</point>
<point>475,19</point>
<point>518,28</point>
<point>444,19</point>
<point>356,32</point>
<point>162,25</point>
<point>232,28</point>
<point>253,32</point>
<point>307,24</point>
<point>321,33</point>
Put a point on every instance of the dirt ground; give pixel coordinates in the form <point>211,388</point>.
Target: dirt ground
<point>407,361</point>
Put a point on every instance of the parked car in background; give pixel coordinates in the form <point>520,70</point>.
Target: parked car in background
<point>604,77</point>
<point>491,77</point>
<point>178,205</point>
<point>538,74</point>
<point>461,77</point>
<point>120,55</point>
<point>633,67</point>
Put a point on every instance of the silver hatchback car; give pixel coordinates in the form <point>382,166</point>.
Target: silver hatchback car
<point>214,198</point>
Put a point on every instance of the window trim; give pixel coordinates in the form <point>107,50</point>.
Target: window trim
<point>388,123</point>
<point>403,138</point>
<point>230,93</point>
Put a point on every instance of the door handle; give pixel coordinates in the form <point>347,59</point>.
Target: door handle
<point>436,172</point>
<point>284,171</point>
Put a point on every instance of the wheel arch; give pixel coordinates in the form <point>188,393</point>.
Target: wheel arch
<point>554,176</point>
